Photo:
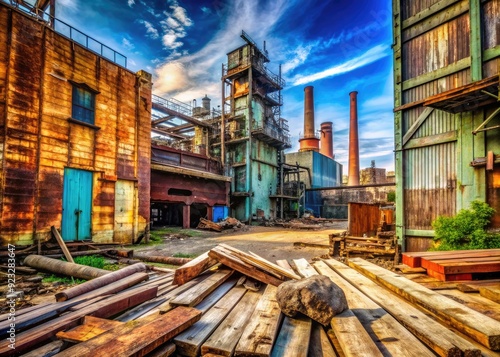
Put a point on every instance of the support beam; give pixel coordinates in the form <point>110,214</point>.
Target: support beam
<point>186,213</point>
<point>417,124</point>
<point>432,140</point>
<point>398,123</point>
<point>476,70</point>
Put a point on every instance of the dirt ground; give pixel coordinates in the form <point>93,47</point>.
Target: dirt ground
<point>271,243</point>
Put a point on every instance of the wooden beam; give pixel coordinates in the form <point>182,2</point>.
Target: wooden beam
<point>387,333</point>
<point>60,240</point>
<point>223,341</point>
<point>137,339</point>
<point>435,335</point>
<point>352,336</point>
<point>91,327</point>
<point>428,12</point>
<point>491,292</point>
<point>320,345</point>
<point>293,339</point>
<point>198,292</point>
<point>453,313</point>
<point>244,268</point>
<point>437,74</point>
<point>189,342</point>
<point>104,308</point>
<point>431,140</point>
<point>459,8</point>
<point>476,52</point>
<point>304,268</point>
<point>416,125</point>
<point>262,328</point>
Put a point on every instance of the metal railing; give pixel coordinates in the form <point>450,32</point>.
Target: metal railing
<point>173,104</point>
<point>71,33</point>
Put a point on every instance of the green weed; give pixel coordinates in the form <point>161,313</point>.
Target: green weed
<point>466,230</point>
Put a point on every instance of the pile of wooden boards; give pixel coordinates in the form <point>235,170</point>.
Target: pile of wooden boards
<point>223,303</point>
<point>382,245</point>
<point>455,265</point>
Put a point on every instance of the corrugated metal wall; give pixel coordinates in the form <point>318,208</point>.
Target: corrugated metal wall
<point>434,41</point>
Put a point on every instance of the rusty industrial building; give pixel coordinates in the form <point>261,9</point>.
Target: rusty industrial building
<point>74,135</point>
<point>446,72</point>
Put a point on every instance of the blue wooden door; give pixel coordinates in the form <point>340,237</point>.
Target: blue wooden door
<point>77,205</point>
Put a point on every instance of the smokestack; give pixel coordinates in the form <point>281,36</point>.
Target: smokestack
<point>353,142</point>
<point>326,147</point>
<point>309,141</point>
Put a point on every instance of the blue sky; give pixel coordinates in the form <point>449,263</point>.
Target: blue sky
<point>337,46</point>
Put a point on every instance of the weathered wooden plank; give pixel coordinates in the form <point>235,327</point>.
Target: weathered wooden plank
<point>223,341</point>
<point>192,269</point>
<point>436,336</point>
<point>198,292</point>
<point>475,301</point>
<point>260,262</point>
<point>137,339</point>
<point>352,337</point>
<point>284,264</point>
<point>245,268</point>
<point>260,332</point>
<point>449,311</point>
<point>491,292</point>
<point>189,342</point>
<point>304,269</point>
<point>90,328</point>
<point>163,351</point>
<point>104,308</point>
<point>48,350</point>
<point>216,295</point>
<point>388,335</point>
<point>335,343</point>
<point>60,240</point>
<point>293,339</point>
<point>319,344</point>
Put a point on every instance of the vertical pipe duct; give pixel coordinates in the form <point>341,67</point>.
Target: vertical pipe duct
<point>353,142</point>
<point>326,147</point>
<point>309,141</point>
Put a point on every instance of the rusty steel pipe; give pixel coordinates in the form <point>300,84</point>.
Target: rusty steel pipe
<point>353,179</point>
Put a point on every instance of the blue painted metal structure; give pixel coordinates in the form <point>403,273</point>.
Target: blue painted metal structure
<point>77,205</point>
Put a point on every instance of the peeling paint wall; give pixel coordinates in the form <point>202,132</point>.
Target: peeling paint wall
<point>38,138</point>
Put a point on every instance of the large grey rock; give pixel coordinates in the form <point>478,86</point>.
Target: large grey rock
<point>317,297</point>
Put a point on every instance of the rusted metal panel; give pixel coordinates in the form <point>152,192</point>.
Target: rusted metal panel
<point>430,184</point>
<point>39,140</point>
<point>125,201</point>
<point>364,218</point>
<point>168,187</point>
<point>436,48</point>
<point>490,19</point>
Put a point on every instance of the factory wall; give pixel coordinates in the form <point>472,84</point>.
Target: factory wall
<point>87,175</point>
<point>438,49</point>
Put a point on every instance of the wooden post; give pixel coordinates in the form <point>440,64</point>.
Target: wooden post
<point>186,212</point>
<point>210,213</point>
<point>60,240</point>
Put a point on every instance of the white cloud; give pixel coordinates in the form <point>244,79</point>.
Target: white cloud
<point>370,56</point>
<point>130,2</point>
<point>127,44</point>
<point>150,29</point>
